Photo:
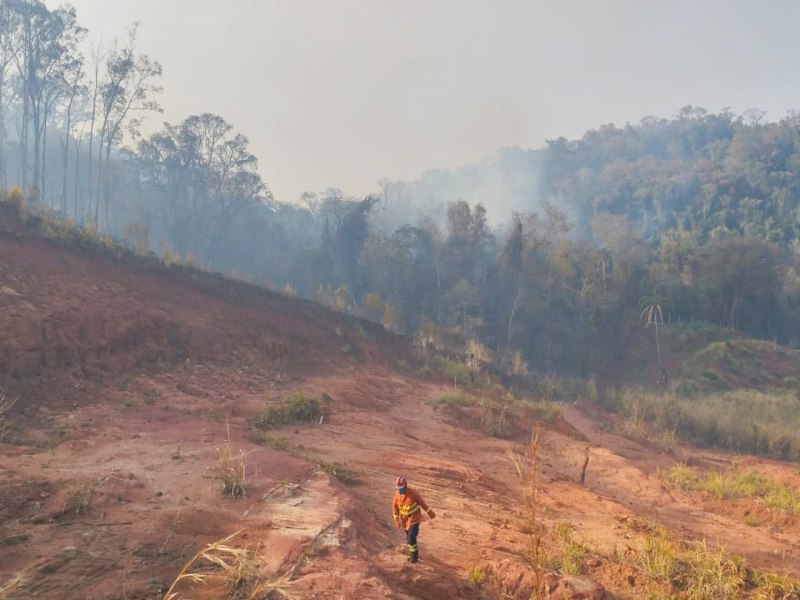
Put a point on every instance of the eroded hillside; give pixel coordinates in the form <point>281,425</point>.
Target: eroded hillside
<point>135,382</point>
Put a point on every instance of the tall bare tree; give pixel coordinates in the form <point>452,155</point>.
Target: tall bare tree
<point>8,50</point>
<point>73,82</point>
<point>46,48</point>
<point>130,82</point>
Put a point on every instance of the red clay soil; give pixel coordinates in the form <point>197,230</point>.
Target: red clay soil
<point>130,383</point>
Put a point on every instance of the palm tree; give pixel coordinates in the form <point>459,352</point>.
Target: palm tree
<point>651,314</point>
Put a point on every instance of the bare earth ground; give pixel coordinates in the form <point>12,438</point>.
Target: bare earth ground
<point>129,384</point>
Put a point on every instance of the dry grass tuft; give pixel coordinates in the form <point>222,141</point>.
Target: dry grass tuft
<point>79,501</point>
<point>6,404</point>
<point>231,469</point>
<point>525,466</point>
<point>220,564</point>
<point>341,471</point>
<point>18,582</point>
<point>737,484</point>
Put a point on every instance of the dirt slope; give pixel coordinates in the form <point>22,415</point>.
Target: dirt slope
<point>129,382</point>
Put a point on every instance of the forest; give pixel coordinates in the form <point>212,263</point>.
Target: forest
<point>547,258</point>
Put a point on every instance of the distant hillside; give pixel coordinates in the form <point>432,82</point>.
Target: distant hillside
<point>75,303</point>
<point>741,363</point>
<point>705,174</point>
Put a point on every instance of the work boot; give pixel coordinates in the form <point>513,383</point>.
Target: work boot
<point>414,557</point>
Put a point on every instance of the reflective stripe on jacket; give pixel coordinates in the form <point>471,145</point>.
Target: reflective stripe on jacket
<point>406,507</point>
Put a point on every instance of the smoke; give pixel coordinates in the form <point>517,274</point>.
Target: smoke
<point>507,182</point>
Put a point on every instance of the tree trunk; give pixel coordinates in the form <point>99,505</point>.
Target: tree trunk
<point>36,119</point>
<point>44,160</point>
<point>585,465</point>
<point>107,185</point>
<point>78,217</point>
<point>99,178</point>
<point>658,345</point>
<point>3,182</point>
<point>23,139</point>
<point>67,127</point>
<point>514,308</point>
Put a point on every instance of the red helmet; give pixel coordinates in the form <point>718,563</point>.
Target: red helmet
<point>401,482</point>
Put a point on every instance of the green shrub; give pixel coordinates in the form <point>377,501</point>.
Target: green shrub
<point>297,407</point>
<point>546,411</point>
<point>456,371</point>
<point>713,575</point>
<point>452,398</point>
<point>573,554</point>
<point>658,558</point>
<point>341,471</point>
<point>681,476</point>
<point>270,441</point>
<point>688,570</point>
<point>687,388</point>
<point>774,586</point>
<point>692,570</point>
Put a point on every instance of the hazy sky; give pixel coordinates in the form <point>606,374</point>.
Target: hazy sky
<point>344,92</point>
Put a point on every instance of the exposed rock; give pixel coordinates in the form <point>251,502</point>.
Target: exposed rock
<point>518,581</point>
<point>576,589</point>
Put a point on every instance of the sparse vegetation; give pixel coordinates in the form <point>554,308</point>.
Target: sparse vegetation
<point>711,574</point>
<point>737,484</point>
<point>452,398</point>
<point>341,471</point>
<point>476,575</point>
<point>693,570</point>
<point>545,411</point>
<point>15,197</point>
<point>297,407</point>
<point>270,441</point>
<point>730,364</point>
<point>525,466</point>
<point>766,424</point>
<point>572,553</point>
<point>6,404</point>
<point>455,371</point>
<point>494,412</point>
<point>18,582</point>
<point>774,586</point>
<point>231,470</point>
<point>221,564</point>
<point>53,439</point>
<point>78,501</point>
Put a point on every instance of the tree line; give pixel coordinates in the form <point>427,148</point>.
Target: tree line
<point>696,214</point>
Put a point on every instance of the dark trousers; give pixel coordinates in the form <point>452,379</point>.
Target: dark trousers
<point>411,538</point>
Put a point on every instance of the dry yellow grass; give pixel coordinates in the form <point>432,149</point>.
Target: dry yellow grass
<point>221,564</point>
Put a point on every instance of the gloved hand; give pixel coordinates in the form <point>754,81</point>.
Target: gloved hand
<point>397,523</point>
<point>431,514</point>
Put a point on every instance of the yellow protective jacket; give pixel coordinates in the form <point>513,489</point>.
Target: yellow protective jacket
<point>408,507</point>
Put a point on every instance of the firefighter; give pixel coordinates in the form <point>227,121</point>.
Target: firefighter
<point>407,508</point>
